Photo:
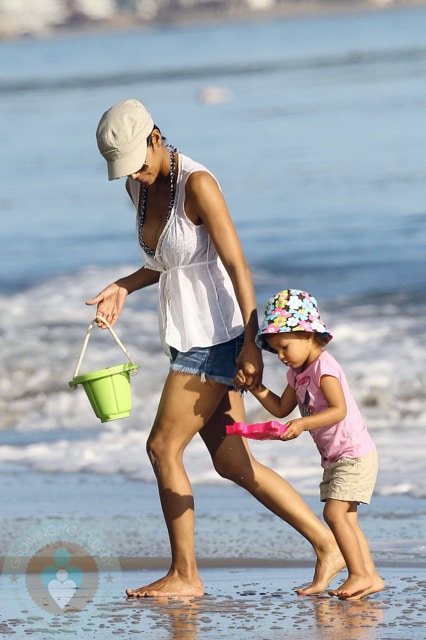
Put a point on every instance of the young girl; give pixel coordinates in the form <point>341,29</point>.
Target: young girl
<point>292,329</point>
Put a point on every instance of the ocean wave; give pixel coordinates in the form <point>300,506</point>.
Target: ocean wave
<point>49,427</point>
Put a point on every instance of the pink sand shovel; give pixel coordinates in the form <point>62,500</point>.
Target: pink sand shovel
<point>271,430</point>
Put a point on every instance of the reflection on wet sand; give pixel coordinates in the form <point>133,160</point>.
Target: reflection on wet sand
<point>178,617</point>
<point>195,618</point>
<point>335,617</point>
<point>242,603</point>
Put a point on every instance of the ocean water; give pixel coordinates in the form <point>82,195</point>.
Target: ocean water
<point>314,128</point>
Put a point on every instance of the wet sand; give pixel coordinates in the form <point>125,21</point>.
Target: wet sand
<point>256,603</point>
<point>250,563</point>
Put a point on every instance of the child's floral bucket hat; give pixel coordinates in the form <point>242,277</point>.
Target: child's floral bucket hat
<point>288,311</point>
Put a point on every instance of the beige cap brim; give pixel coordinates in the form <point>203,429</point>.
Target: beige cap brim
<point>125,166</point>
<point>122,135</point>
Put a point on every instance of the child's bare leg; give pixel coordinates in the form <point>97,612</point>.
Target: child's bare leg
<point>378,582</point>
<point>233,459</point>
<point>185,404</point>
<point>341,516</point>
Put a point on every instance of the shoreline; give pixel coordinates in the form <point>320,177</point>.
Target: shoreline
<point>250,562</point>
<point>125,564</point>
<point>231,527</point>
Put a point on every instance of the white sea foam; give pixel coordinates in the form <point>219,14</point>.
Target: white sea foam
<point>49,427</point>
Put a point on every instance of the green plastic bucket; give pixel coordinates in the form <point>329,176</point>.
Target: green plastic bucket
<point>108,389</point>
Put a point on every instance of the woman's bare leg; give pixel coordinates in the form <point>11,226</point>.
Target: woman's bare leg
<point>185,406</point>
<point>233,459</point>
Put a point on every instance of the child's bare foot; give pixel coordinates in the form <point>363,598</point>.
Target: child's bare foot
<point>378,585</point>
<point>353,586</point>
<point>326,569</point>
<point>171,586</point>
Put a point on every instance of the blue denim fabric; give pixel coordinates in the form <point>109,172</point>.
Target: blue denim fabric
<point>218,362</point>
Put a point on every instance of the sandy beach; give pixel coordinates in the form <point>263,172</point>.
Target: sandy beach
<point>250,562</point>
<point>240,602</point>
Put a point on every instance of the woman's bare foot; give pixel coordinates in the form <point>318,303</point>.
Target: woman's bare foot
<point>377,584</point>
<point>171,586</point>
<point>326,569</point>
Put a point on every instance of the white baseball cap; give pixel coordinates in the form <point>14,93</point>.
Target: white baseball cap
<point>122,135</point>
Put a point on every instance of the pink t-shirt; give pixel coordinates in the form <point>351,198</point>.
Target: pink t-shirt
<point>346,439</point>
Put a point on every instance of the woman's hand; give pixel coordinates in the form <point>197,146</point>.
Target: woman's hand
<point>110,302</point>
<point>250,367</point>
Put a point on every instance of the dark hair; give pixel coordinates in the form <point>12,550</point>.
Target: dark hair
<point>149,138</point>
<point>321,338</point>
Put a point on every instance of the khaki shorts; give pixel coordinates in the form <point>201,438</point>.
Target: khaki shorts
<point>350,479</point>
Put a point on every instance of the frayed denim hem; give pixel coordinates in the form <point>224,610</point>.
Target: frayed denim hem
<point>194,372</point>
<point>217,362</point>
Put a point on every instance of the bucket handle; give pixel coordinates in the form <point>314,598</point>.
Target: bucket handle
<point>86,340</point>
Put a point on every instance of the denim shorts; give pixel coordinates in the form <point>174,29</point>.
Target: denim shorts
<point>218,362</point>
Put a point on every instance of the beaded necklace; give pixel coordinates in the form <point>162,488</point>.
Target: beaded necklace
<point>142,208</point>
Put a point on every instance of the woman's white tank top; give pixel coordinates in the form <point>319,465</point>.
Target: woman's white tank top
<point>197,306</point>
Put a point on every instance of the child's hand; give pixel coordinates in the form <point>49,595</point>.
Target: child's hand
<point>294,429</point>
<point>243,380</point>
<point>240,380</point>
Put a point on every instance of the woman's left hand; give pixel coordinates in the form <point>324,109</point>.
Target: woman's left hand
<point>250,366</point>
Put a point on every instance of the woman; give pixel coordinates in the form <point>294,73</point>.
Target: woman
<point>208,324</point>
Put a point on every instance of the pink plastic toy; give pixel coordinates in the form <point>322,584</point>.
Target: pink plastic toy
<point>271,430</point>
